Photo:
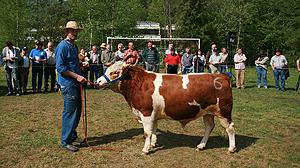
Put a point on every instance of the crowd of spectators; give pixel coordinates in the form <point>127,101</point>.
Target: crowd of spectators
<point>94,63</point>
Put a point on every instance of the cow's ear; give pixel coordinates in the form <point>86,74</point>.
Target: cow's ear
<point>125,65</point>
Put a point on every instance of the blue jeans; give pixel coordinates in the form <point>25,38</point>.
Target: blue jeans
<point>222,68</point>
<point>261,73</point>
<point>71,113</point>
<point>94,71</point>
<point>279,74</point>
<point>186,70</point>
<point>37,71</point>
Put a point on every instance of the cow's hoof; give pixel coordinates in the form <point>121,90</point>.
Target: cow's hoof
<point>200,147</point>
<point>145,153</point>
<point>232,150</point>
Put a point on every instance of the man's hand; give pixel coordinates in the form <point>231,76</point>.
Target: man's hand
<point>80,79</point>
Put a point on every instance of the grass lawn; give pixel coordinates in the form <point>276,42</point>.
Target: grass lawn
<point>267,126</point>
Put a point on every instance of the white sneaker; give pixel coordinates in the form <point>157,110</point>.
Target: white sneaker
<point>266,87</point>
<point>258,86</point>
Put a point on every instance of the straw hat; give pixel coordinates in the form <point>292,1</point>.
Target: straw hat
<point>103,45</point>
<point>72,25</point>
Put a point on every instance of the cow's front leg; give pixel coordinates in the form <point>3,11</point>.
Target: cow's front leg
<point>148,124</point>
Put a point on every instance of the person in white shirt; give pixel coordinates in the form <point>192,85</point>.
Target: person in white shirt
<point>214,61</point>
<point>11,58</point>
<point>50,67</point>
<point>262,69</point>
<point>119,54</point>
<point>239,66</point>
<point>298,68</point>
<point>278,63</point>
<point>95,62</point>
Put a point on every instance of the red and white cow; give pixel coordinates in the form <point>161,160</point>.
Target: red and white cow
<point>154,96</point>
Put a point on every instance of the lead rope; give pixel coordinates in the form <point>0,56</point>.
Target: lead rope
<point>84,119</point>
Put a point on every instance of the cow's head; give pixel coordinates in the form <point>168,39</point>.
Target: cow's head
<point>113,74</point>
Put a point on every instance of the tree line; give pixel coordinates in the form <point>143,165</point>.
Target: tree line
<point>259,24</point>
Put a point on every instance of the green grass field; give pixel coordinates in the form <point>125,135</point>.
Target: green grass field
<point>267,126</point>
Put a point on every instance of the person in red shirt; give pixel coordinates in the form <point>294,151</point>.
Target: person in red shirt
<point>131,56</point>
<point>172,61</point>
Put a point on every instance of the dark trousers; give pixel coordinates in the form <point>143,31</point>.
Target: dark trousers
<point>37,72</point>
<point>94,71</point>
<point>298,83</point>
<point>85,73</point>
<point>24,72</point>
<point>172,69</point>
<point>12,79</point>
<point>152,67</point>
<point>50,72</point>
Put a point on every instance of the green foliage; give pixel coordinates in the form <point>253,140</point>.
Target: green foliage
<point>260,24</point>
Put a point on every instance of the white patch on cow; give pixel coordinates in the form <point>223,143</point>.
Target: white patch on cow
<point>217,101</point>
<point>185,81</point>
<point>194,103</point>
<point>158,101</point>
<point>218,85</point>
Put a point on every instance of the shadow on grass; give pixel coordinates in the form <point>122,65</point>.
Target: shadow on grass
<point>3,90</point>
<point>170,140</point>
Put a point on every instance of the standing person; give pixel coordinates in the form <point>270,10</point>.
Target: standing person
<point>95,63</point>
<point>11,58</point>
<point>150,57</point>
<point>298,68</point>
<point>119,54</point>
<point>224,55</point>
<point>214,61</point>
<point>107,57</point>
<point>239,66</point>
<point>38,57</point>
<point>199,62</point>
<point>278,63</point>
<point>262,69</point>
<point>84,63</point>
<point>131,56</point>
<point>172,62</point>
<point>187,61</point>
<point>209,53</point>
<point>50,67</point>
<point>24,70</point>
<point>69,79</point>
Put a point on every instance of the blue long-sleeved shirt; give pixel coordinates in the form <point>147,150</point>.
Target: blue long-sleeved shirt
<point>67,60</point>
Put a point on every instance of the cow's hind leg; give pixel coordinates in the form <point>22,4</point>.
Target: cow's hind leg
<point>154,137</point>
<point>148,124</point>
<point>209,126</point>
<point>230,131</point>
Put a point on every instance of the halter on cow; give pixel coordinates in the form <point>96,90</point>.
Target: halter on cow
<point>184,98</point>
